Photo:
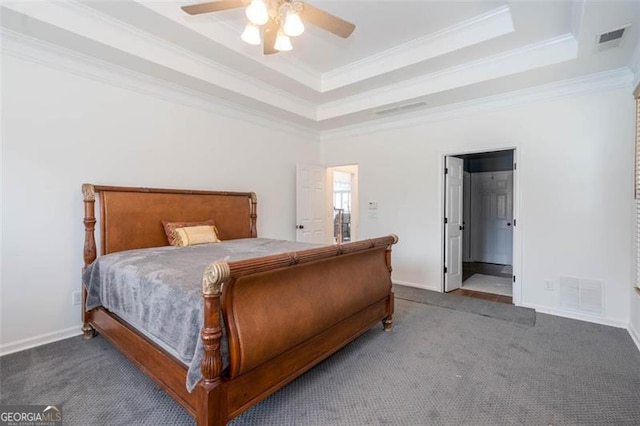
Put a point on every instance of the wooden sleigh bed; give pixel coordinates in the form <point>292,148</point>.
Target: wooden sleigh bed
<point>318,300</point>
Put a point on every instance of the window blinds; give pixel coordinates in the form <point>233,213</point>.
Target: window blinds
<point>637,187</point>
<point>637,144</point>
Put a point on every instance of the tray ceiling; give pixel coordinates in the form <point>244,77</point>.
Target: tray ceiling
<point>403,56</point>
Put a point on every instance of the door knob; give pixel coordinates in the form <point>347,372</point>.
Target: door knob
<point>508,223</point>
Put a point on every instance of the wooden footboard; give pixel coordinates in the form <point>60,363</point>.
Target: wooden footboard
<point>283,314</point>
<point>286,313</point>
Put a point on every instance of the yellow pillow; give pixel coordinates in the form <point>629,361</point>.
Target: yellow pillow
<point>169,227</point>
<point>192,235</point>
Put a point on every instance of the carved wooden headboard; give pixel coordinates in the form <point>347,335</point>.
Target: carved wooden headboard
<point>132,217</point>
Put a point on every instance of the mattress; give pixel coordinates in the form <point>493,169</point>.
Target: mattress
<point>158,291</point>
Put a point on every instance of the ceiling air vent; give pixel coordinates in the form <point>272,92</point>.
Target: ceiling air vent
<point>402,108</point>
<point>611,35</point>
<point>610,39</point>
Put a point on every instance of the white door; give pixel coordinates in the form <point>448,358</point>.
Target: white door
<point>493,219</point>
<point>454,173</point>
<point>310,200</point>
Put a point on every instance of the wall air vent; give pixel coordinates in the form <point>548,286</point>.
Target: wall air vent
<point>402,108</point>
<point>610,39</point>
<point>581,295</point>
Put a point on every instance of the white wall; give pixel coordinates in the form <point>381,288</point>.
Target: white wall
<point>575,174</point>
<point>60,130</point>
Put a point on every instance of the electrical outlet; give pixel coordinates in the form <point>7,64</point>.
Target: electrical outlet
<point>76,298</point>
<point>549,285</point>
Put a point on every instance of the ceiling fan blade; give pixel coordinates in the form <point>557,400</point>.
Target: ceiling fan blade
<point>326,21</point>
<point>270,33</point>
<point>214,6</point>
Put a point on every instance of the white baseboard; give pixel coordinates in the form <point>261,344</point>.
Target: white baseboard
<point>550,311</point>
<point>577,316</point>
<point>634,335</point>
<point>422,286</point>
<point>42,339</point>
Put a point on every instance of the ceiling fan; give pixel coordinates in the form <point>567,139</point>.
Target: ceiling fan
<point>279,20</point>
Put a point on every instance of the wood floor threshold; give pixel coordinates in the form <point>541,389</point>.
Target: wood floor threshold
<point>484,296</point>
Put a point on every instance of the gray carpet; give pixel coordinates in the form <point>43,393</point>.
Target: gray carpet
<point>438,367</point>
<point>517,314</point>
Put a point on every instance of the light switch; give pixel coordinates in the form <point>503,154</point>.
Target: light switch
<point>373,205</point>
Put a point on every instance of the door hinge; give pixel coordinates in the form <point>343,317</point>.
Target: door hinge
<point>515,166</point>
<point>446,220</point>
<point>514,278</point>
<point>445,269</point>
<point>514,223</point>
<point>446,171</point>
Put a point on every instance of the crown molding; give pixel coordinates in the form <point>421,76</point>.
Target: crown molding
<point>51,55</point>
<point>479,29</point>
<point>290,119</point>
<point>36,51</point>
<point>43,53</point>
<point>80,19</point>
<point>547,52</point>
<point>619,78</point>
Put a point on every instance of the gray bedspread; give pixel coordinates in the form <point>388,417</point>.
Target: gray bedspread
<point>159,291</point>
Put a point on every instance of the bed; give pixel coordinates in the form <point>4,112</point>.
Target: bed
<point>276,316</point>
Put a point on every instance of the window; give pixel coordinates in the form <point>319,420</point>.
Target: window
<point>637,145</point>
<point>637,187</point>
<point>342,182</point>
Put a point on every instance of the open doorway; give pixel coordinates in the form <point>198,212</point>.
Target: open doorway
<point>344,187</point>
<point>479,225</point>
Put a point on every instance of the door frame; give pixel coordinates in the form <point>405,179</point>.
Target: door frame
<point>517,230</point>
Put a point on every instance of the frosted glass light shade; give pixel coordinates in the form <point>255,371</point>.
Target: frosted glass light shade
<point>283,43</point>
<point>293,25</point>
<point>251,34</point>
<point>257,12</point>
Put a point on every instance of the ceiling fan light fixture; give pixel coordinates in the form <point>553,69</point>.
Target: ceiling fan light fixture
<point>293,25</point>
<point>275,21</point>
<point>257,12</point>
<point>283,43</point>
<point>251,34</point>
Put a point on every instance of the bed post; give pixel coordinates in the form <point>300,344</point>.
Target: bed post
<point>89,253</point>
<point>387,323</point>
<point>253,213</point>
<point>211,406</point>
